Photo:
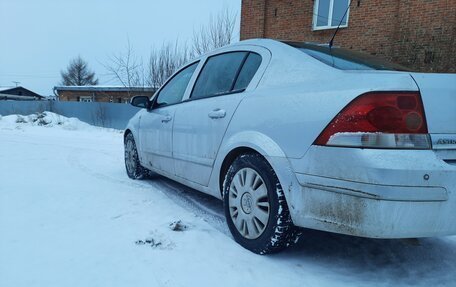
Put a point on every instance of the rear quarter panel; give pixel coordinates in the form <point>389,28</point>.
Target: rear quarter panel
<point>294,114</point>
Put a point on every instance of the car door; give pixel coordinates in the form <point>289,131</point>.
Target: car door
<point>201,120</point>
<point>156,125</point>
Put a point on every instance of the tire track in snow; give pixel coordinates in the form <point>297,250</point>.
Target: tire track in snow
<point>208,208</point>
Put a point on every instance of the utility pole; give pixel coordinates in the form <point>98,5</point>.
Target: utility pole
<point>17,83</point>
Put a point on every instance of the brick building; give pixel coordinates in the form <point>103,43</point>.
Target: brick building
<point>420,34</point>
<point>101,93</point>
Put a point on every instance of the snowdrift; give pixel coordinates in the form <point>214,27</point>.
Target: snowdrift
<point>47,119</point>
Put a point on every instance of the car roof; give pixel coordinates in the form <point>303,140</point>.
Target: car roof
<point>281,48</point>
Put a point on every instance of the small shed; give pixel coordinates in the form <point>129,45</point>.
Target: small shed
<point>19,94</point>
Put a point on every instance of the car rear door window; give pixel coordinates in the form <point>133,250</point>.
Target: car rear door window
<point>174,90</point>
<point>218,75</point>
<point>249,69</point>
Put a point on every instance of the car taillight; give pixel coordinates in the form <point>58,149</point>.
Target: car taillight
<point>379,120</point>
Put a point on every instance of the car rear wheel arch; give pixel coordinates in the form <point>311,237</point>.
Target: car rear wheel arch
<point>229,159</point>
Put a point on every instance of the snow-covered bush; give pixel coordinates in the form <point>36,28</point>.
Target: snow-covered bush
<point>20,120</point>
<point>40,119</point>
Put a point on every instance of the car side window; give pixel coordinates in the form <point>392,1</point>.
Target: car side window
<point>218,75</point>
<point>174,90</point>
<point>249,69</point>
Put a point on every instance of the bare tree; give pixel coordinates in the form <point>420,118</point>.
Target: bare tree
<point>217,33</point>
<point>78,74</point>
<point>164,61</point>
<point>126,68</point>
<point>130,70</point>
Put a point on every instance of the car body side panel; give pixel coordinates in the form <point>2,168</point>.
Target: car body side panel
<point>197,136</point>
<point>155,138</point>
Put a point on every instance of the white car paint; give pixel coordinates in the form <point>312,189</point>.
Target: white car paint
<point>439,98</point>
<point>366,192</point>
<point>156,138</point>
<point>202,137</point>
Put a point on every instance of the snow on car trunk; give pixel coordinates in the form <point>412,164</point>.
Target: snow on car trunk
<point>69,216</point>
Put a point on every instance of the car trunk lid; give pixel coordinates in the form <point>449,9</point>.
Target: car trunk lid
<point>438,92</point>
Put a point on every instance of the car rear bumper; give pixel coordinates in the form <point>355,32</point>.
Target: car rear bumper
<point>375,193</point>
<point>369,210</point>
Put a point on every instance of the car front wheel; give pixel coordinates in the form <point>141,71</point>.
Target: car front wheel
<point>255,207</point>
<point>132,164</point>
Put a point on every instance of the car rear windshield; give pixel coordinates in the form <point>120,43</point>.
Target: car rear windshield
<point>345,59</point>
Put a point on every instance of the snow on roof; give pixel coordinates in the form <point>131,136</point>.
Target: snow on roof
<point>4,88</point>
<point>105,88</point>
<point>20,91</point>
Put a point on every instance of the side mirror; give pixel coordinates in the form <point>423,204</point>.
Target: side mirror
<point>140,102</point>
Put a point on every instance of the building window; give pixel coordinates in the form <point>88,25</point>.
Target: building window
<point>86,99</point>
<point>329,13</point>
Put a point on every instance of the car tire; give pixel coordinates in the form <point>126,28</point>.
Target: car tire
<point>132,164</point>
<point>255,207</point>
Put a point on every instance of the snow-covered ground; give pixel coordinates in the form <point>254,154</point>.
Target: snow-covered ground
<point>69,216</point>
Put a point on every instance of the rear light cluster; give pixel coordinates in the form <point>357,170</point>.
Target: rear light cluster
<point>379,120</point>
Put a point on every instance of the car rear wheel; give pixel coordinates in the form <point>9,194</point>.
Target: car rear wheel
<point>255,207</point>
<point>132,165</point>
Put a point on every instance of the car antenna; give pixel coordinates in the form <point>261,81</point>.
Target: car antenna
<point>338,26</point>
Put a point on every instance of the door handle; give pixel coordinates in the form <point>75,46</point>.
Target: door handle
<point>166,119</point>
<point>217,114</point>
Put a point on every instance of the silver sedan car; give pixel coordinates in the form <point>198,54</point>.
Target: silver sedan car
<point>294,135</point>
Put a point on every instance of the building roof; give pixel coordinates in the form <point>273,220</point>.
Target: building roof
<point>104,89</point>
<point>20,91</point>
<point>6,88</point>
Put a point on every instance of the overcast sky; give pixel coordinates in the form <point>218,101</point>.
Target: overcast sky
<point>39,37</point>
